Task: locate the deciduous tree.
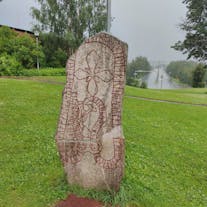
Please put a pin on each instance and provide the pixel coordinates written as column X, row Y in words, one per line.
column 138, row 64
column 22, row 47
column 75, row 18
column 133, row 68
column 195, row 26
column 198, row 76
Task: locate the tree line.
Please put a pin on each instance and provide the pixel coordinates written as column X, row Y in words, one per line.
column 62, row 25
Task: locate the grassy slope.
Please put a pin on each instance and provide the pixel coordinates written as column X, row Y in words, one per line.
column 166, row 149
column 188, row 95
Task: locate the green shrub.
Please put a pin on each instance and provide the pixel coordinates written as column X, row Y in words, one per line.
column 132, row 81
column 7, row 37
column 26, row 51
column 198, row 76
column 55, row 49
column 22, row 47
column 9, row 65
column 59, row 58
column 143, row 85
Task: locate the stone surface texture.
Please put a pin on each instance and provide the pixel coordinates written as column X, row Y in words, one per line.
column 89, row 135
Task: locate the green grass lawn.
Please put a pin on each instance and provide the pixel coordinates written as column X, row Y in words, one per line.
column 187, row 95
column 166, row 148
column 48, row 78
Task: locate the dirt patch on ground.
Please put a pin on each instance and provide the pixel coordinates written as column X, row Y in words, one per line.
column 74, row 201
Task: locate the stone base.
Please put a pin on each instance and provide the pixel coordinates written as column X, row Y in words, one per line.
column 90, row 173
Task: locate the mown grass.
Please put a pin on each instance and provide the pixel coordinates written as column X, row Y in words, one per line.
column 166, row 147
column 47, row 78
column 186, row 95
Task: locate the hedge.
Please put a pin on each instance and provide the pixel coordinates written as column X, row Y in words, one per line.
column 35, row 72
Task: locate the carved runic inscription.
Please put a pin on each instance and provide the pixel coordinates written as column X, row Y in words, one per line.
column 89, row 135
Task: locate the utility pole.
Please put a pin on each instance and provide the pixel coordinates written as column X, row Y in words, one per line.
column 161, row 80
column 108, row 16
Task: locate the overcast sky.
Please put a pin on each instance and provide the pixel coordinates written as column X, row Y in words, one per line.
column 149, row 27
